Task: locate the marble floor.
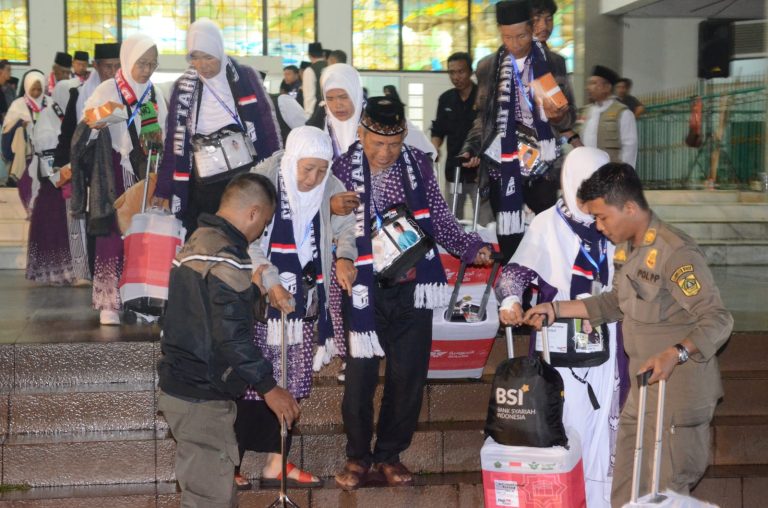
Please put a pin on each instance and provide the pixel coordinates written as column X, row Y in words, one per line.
column 30, row 313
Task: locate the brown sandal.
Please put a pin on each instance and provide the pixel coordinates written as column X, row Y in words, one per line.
column 396, row 474
column 353, row 476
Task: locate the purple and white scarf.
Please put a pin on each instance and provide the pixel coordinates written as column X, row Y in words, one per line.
column 431, row 287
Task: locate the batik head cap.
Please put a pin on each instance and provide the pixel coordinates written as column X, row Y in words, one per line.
column 511, row 12
column 106, row 50
column 605, row 73
column 81, row 55
column 63, row 59
column 384, row 116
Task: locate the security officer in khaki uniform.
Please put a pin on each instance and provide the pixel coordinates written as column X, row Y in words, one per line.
column 673, row 321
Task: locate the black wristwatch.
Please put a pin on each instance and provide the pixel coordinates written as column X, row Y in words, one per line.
column 682, row 354
column 575, row 136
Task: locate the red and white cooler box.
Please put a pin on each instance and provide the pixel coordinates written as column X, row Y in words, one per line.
column 525, row 477
column 151, row 243
column 460, row 350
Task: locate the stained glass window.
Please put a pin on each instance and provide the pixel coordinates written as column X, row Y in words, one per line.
column 14, row 31
column 485, row 35
column 90, row 22
column 241, row 22
column 166, row 21
column 432, row 31
column 376, row 34
column 291, row 29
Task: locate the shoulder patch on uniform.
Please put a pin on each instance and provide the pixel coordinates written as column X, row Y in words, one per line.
column 649, row 236
column 650, row 260
column 680, row 271
column 689, row 285
column 621, row 255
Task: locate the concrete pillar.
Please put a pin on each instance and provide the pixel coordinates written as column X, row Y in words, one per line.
column 598, row 41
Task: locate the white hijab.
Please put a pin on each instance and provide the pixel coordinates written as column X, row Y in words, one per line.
column 578, row 166
column 304, row 142
column 347, row 78
column 130, row 51
column 18, row 109
column 204, row 35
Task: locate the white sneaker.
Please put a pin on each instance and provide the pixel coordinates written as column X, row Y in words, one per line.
column 109, row 317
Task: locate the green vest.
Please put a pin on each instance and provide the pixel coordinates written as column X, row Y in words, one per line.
column 608, row 128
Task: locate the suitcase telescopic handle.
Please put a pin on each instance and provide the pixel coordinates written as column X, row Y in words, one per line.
column 642, row 382
column 456, row 188
column 545, row 339
column 497, row 258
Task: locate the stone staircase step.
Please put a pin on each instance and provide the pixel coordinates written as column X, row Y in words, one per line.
column 713, row 212
column 735, row 252
column 734, row 486
column 740, row 440
column 745, row 394
column 101, row 458
column 723, row 231
column 463, row 490
column 136, row 457
column 745, row 351
column 84, row 408
column 691, row 197
column 14, row 230
column 13, row 255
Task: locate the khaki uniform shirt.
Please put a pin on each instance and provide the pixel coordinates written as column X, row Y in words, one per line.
column 664, row 292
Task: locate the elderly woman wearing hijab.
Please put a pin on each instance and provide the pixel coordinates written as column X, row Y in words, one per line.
column 216, row 105
column 344, row 105
column 298, row 246
column 567, row 258
column 17, row 143
column 49, row 258
column 131, row 142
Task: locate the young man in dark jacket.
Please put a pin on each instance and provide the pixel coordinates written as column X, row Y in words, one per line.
column 209, row 353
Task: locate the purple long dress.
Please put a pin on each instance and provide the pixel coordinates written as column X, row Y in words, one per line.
column 108, row 263
column 48, row 258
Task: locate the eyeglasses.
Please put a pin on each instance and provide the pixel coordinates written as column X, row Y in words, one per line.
column 150, row 66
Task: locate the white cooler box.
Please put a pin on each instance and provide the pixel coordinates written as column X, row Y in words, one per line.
column 525, row 477
column 459, row 349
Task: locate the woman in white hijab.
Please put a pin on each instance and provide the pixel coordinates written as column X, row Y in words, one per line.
column 131, row 142
column 565, row 257
column 49, row 258
column 296, row 250
column 215, row 97
column 17, row 144
column 344, row 104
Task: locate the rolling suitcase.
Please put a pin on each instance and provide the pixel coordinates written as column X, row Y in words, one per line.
column 666, row 499
column 150, row 243
column 533, row 477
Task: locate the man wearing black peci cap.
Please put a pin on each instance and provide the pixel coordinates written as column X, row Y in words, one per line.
column 385, row 316
column 511, row 117
column 80, row 66
column 62, row 69
column 606, row 123
column 310, row 79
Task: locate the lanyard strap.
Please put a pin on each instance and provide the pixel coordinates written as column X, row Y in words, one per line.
column 223, row 104
column 519, row 81
column 138, row 104
column 602, row 243
column 307, row 231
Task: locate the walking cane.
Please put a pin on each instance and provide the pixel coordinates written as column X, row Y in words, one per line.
column 283, row 501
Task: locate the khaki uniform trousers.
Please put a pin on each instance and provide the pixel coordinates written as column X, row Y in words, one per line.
column 685, row 447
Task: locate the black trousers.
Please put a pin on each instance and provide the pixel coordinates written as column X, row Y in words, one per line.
column 538, row 193
column 257, row 428
column 405, row 334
